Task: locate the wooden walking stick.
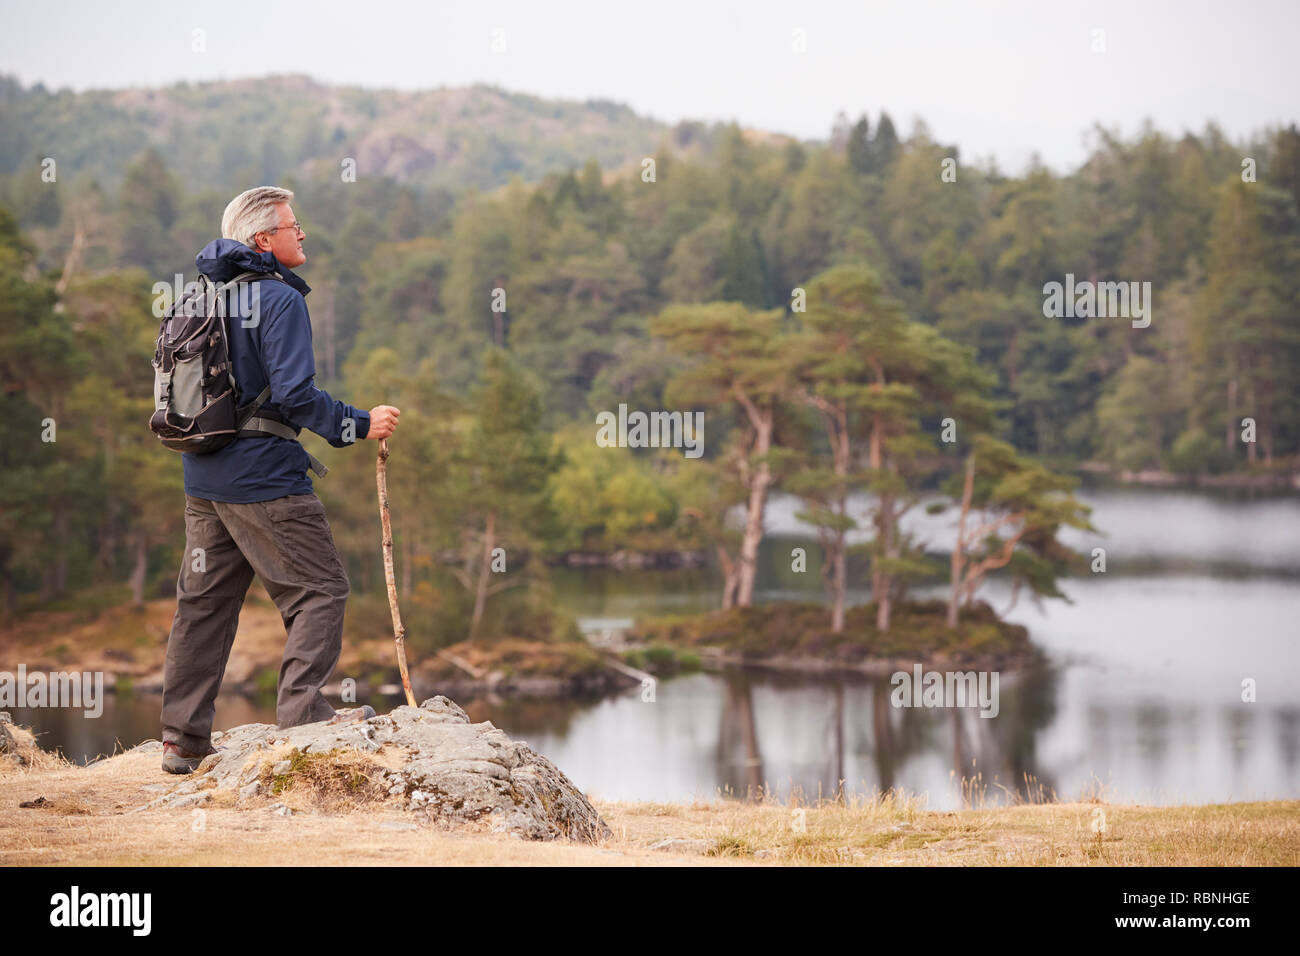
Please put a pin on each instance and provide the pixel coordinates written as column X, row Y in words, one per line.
column 399, row 632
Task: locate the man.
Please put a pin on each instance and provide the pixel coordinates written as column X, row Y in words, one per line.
column 250, row 507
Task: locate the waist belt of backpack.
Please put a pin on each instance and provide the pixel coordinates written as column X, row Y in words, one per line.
column 265, row 426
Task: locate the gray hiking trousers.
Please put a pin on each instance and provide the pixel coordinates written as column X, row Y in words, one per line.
column 288, row 544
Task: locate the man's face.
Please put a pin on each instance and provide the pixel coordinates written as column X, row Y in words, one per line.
column 286, row 242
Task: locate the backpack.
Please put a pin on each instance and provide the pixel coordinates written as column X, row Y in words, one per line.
column 196, row 399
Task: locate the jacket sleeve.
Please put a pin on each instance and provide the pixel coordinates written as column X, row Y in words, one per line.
column 291, row 367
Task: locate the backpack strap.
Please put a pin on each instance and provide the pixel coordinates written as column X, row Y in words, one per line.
column 218, row 286
column 267, row 427
column 254, row 276
column 258, row 402
column 252, row 425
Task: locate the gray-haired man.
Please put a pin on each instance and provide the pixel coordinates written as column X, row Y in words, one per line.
column 250, row 507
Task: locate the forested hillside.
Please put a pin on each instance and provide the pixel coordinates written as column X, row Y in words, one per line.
column 220, row 135
column 502, row 320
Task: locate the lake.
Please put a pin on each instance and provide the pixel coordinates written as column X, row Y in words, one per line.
column 1138, row 699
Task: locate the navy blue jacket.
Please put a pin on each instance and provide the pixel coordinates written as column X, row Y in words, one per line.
column 276, row 350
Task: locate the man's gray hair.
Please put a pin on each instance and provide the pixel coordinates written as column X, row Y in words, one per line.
column 253, row 211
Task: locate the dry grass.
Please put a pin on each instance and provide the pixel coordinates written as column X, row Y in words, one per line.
column 27, row 755
column 888, row 831
column 340, row 819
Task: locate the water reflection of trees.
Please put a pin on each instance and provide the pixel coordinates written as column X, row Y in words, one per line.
column 738, row 753
column 1240, row 721
column 533, row 715
column 1288, row 738
column 860, row 725
column 823, row 730
column 1028, row 707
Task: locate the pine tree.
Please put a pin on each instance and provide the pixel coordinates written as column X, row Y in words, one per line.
column 739, row 363
column 859, row 148
column 503, row 472
column 884, row 146
column 1011, row 511
column 148, row 206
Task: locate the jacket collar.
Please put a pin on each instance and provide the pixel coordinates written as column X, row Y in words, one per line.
column 223, row 259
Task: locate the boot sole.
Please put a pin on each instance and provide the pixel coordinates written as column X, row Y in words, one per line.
column 356, row 716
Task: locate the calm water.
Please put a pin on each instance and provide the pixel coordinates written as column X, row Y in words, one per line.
column 1139, row 697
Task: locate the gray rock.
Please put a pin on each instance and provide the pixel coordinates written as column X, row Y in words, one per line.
column 210, row 761
column 280, row 810
column 445, row 709
column 682, row 845
column 397, row 825
column 454, row 771
column 190, row 800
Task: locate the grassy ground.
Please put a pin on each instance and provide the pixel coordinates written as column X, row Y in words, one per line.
column 82, row 820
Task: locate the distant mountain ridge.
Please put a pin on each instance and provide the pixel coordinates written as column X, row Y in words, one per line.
column 225, row 134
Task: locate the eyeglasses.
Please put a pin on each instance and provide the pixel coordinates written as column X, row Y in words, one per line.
column 295, row 226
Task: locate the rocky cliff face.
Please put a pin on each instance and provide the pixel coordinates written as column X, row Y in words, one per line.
column 429, row 760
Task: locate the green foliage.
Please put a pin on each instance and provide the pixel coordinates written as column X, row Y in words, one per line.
column 1128, row 416
column 1194, row 453
column 663, row 294
column 1017, row 509
column 236, row 134
column 148, row 209
column 608, row 496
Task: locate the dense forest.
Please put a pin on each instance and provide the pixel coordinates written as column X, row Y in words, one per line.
column 831, row 307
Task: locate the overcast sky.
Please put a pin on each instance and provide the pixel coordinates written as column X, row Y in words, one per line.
column 1001, row 80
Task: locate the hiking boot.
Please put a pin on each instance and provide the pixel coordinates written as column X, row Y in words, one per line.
column 177, row 760
column 355, row 715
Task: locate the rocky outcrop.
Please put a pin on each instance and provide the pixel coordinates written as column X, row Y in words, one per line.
column 429, row 760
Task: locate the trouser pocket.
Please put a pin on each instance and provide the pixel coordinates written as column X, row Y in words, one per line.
column 305, row 543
